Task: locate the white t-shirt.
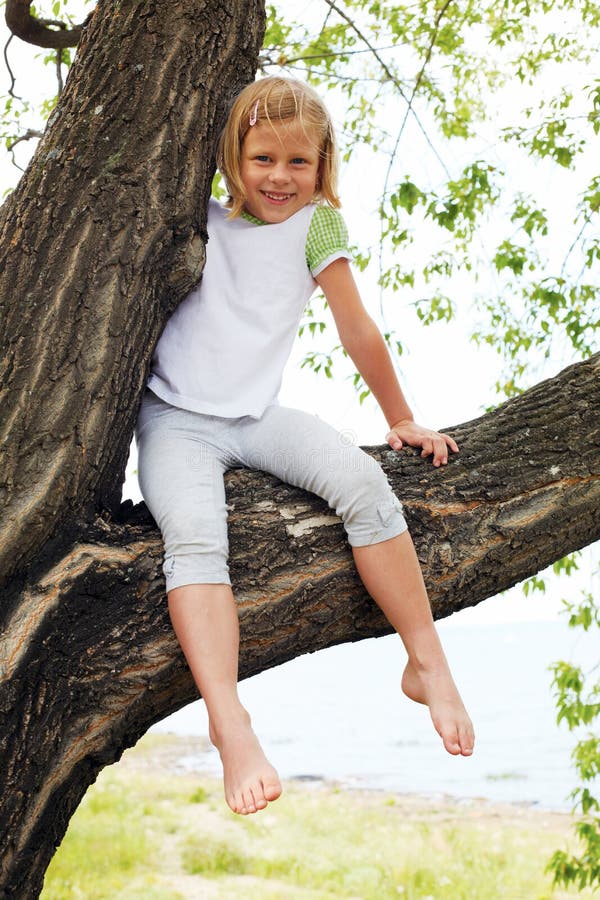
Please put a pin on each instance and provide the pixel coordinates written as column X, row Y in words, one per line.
column 224, row 349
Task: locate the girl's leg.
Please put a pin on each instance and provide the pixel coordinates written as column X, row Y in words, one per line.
column 303, row 450
column 205, row 620
column 391, row 573
column 181, row 479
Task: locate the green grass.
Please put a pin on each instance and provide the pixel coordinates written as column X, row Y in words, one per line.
column 108, row 848
column 142, row 832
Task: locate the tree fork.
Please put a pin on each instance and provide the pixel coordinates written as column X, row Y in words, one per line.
column 89, row 660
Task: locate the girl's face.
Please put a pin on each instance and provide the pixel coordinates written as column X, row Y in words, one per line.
column 279, row 169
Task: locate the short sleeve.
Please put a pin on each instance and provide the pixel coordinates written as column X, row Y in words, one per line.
column 327, row 239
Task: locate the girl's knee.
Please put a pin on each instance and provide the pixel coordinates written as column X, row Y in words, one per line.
column 195, row 564
column 372, row 512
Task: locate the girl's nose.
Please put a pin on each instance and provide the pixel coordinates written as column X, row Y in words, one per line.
column 279, row 174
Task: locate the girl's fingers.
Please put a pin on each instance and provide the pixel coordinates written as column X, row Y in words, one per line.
column 441, row 444
column 440, row 450
column 441, row 455
column 435, row 448
column 451, row 443
column 431, row 443
column 428, row 447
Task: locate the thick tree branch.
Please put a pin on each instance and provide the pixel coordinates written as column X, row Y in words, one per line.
column 88, row 656
column 38, row 31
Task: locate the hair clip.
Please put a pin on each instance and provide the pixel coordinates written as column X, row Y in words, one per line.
column 254, row 114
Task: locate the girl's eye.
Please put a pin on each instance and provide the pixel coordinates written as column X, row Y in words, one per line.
column 262, row 158
column 298, row 161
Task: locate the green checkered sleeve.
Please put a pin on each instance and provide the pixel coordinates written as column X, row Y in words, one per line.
column 327, row 239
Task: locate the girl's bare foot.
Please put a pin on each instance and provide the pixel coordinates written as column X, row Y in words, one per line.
column 436, row 689
column 249, row 779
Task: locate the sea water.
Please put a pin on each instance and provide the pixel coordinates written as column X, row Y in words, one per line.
column 339, row 714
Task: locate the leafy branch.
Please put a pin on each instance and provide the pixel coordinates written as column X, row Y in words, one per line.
column 578, row 703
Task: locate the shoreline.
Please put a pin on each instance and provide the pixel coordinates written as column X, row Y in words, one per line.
column 365, row 732
column 175, row 754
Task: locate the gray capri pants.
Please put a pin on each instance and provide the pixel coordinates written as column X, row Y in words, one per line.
column 183, row 455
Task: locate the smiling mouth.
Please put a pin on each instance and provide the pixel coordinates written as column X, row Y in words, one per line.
column 276, row 198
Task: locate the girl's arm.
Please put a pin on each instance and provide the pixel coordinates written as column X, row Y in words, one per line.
column 364, row 344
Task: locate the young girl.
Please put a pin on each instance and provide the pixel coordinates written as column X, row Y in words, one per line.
column 211, row 404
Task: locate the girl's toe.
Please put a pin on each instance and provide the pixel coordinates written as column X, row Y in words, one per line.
column 260, row 801
column 249, row 806
column 467, row 742
column 452, row 742
column 233, row 802
column 272, row 790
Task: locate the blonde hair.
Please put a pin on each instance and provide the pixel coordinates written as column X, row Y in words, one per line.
column 273, row 100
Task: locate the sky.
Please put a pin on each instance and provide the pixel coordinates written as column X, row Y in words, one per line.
column 447, row 378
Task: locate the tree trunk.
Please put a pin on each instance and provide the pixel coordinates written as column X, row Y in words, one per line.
column 102, row 238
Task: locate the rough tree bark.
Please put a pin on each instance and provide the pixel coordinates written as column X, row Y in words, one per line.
column 102, row 238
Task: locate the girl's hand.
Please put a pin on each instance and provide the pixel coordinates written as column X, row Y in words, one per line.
column 433, row 442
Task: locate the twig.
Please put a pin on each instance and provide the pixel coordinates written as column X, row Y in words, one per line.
column 393, row 78
column 294, row 59
column 323, row 26
column 408, row 110
column 59, row 77
column 10, row 71
column 586, row 222
column 368, row 44
column 30, row 133
column 321, row 72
